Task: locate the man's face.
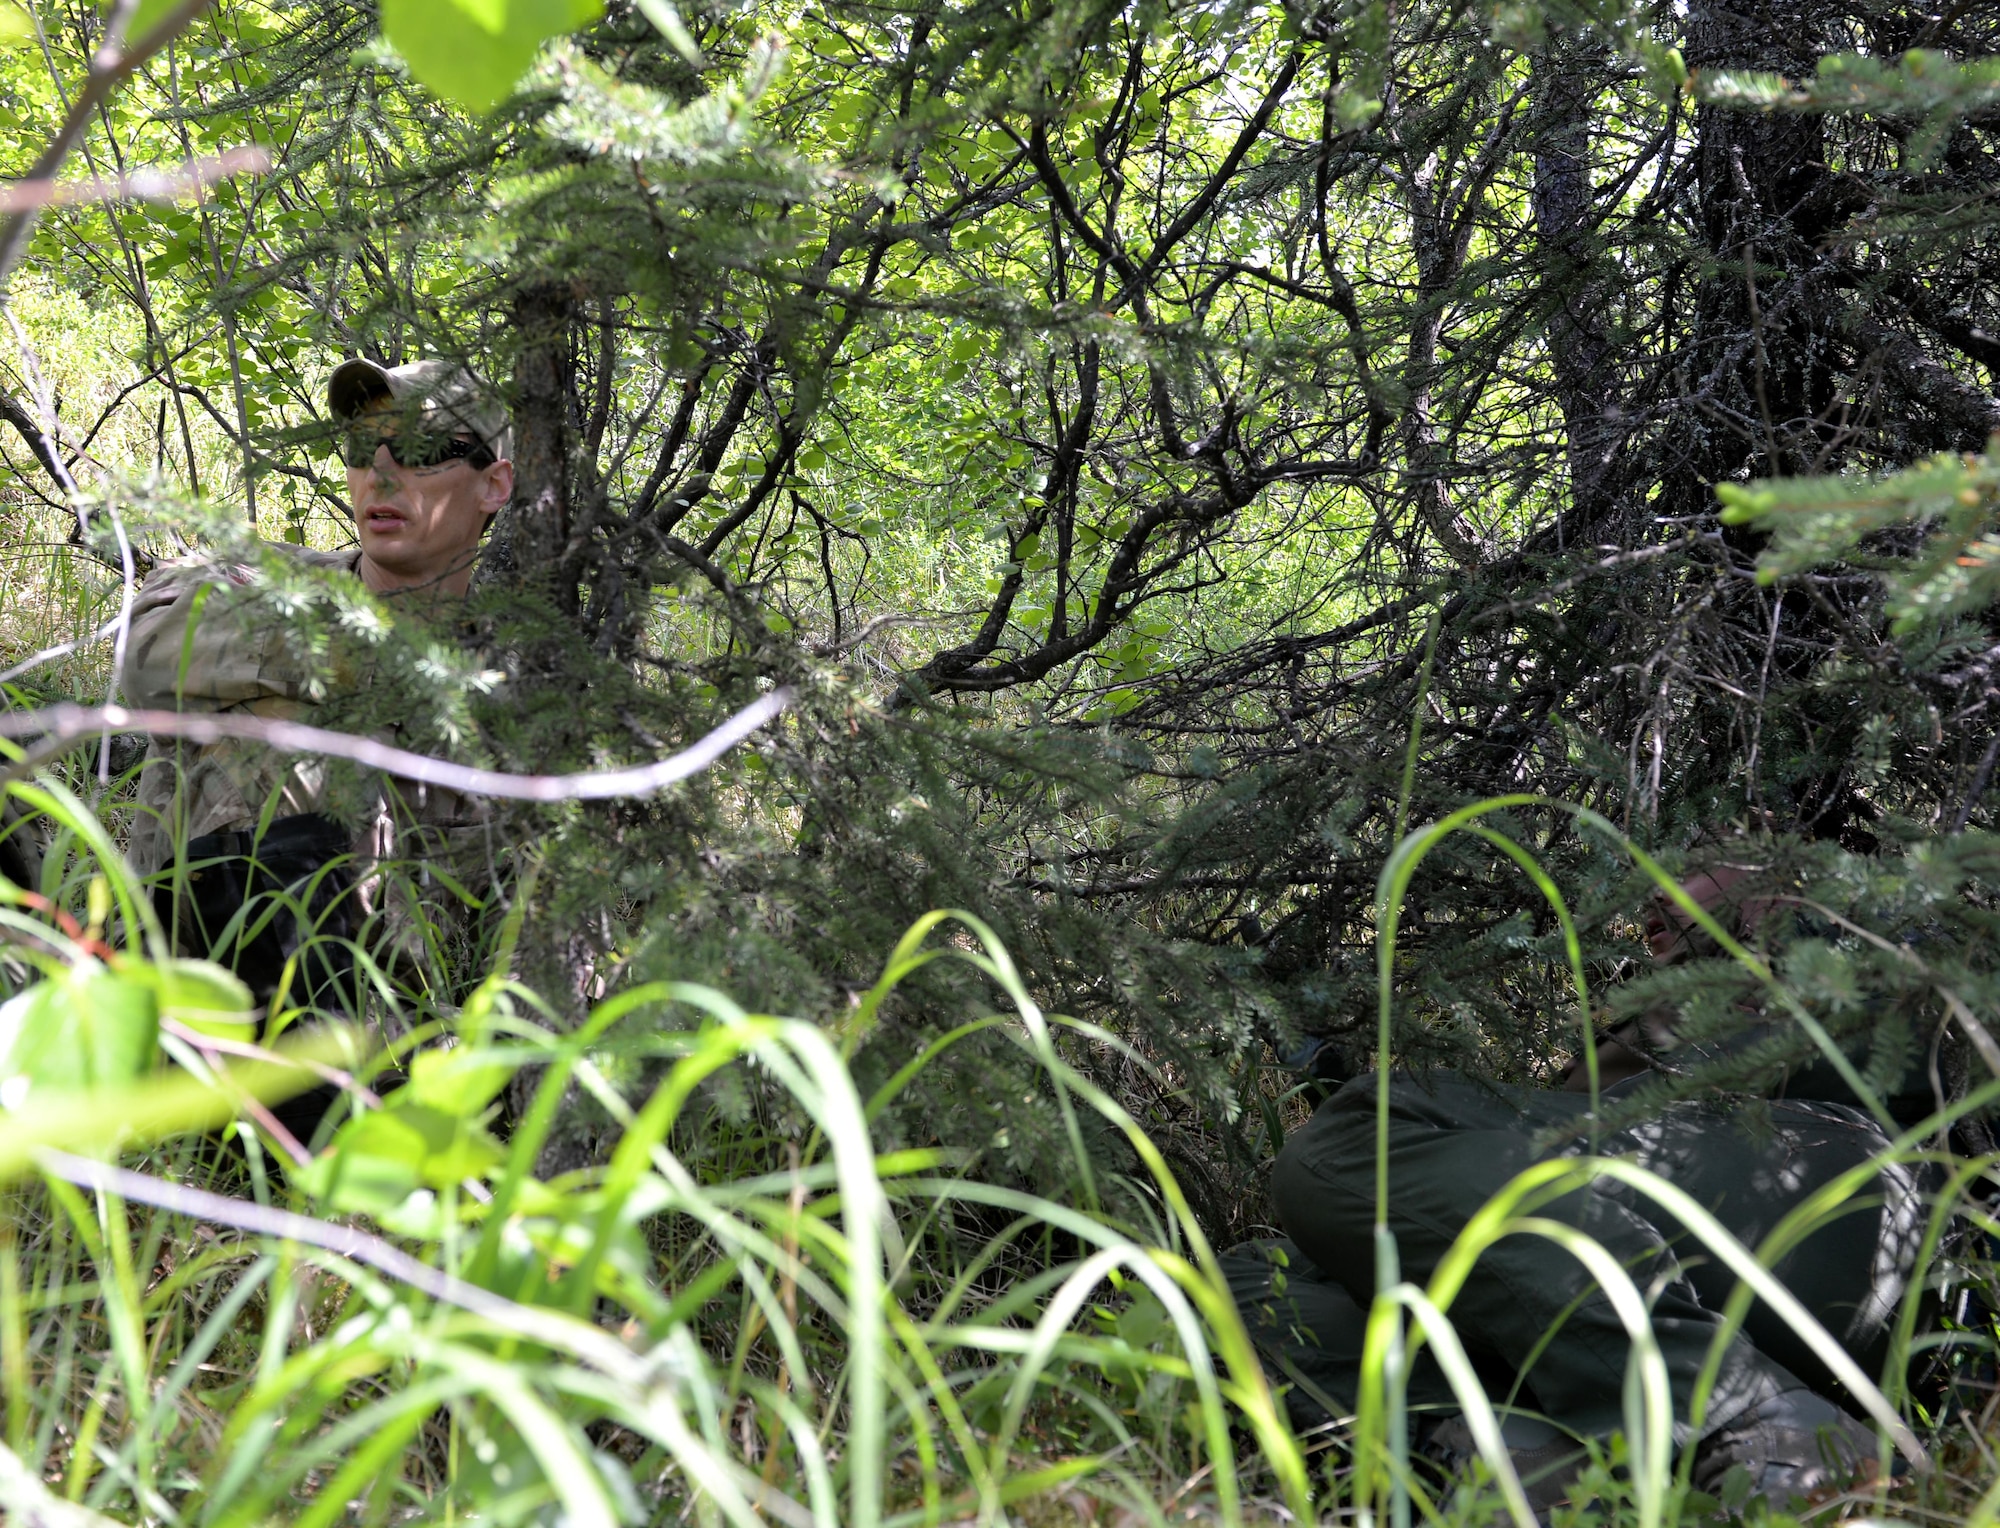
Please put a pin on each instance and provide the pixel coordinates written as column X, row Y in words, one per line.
column 1669, row 929
column 419, row 526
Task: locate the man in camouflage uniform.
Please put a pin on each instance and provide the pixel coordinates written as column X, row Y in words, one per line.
column 1532, row 1319
column 427, row 453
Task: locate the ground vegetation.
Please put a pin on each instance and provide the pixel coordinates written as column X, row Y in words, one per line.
column 1168, row 453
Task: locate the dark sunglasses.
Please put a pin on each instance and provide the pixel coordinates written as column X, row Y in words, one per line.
column 358, row 448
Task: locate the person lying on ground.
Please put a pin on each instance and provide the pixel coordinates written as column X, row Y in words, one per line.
column 1533, row 1321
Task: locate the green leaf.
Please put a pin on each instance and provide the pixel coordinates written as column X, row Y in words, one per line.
column 375, row 1164
column 16, row 26
column 456, row 1081
column 378, row 1161
column 200, row 994
column 158, row 1105
column 472, row 52
column 88, row 1027
column 146, row 20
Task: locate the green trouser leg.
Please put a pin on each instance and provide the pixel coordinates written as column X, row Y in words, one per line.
column 1453, row 1144
column 1311, row 1332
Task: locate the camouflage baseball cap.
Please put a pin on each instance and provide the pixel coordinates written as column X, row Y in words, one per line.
column 442, row 393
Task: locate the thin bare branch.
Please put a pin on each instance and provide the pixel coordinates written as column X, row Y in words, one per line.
column 564, row 1333
column 140, row 185
column 60, row 727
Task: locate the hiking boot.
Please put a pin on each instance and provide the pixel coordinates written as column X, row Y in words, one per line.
column 1546, row 1459
column 1796, row 1444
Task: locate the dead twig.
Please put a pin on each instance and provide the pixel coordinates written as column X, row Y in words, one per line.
column 60, row 727
column 140, row 185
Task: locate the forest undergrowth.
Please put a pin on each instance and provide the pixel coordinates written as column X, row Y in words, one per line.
column 747, row 1306
column 1266, row 536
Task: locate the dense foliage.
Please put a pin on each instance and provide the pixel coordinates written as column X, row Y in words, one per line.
column 1170, row 450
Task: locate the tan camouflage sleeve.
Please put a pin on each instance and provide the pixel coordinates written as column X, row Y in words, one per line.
column 199, row 643
column 195, row 645
column 192, row 647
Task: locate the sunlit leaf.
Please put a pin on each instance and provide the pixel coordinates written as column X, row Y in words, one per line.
column 379, row 1160
column 90, row 1027
column 203, row 996
column 472, row 52
column 374, row 1164
column 457, row 1081
column 147, row 18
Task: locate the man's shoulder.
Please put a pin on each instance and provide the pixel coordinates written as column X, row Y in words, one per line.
column 346, row 560
column 170, row 579
column 211, row 647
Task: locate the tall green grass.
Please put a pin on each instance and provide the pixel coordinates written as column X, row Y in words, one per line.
column 742, row 1316
column 829, row 1340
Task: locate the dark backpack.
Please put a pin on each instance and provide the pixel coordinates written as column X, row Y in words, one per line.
column 294, row 893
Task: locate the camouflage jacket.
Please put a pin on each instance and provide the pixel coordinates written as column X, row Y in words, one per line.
column 196, row 645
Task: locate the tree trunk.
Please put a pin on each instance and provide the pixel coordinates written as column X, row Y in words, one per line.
column 1566, row 79
column 1767, row 335
column 533, row 534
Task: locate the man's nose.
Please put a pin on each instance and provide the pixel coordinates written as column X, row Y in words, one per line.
column 384, row 465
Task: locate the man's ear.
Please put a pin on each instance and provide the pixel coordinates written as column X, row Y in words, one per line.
column 499, row 487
